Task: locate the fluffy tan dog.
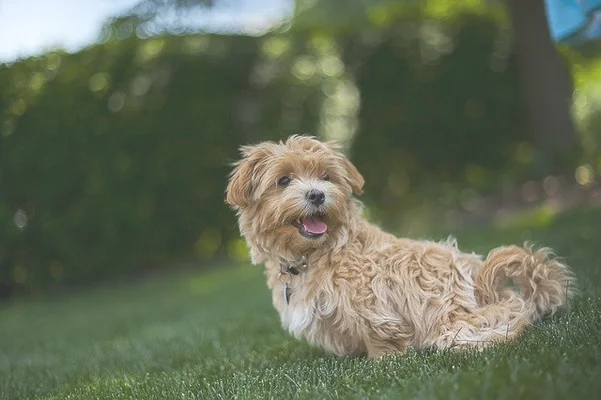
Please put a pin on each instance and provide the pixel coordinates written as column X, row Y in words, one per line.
column 349, row 287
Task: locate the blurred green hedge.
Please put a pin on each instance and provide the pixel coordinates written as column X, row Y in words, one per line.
column 114, row 160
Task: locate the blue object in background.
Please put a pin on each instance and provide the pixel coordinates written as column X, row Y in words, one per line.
column 574, row 21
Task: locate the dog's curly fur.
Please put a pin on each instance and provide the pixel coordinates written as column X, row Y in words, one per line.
column 365, row 291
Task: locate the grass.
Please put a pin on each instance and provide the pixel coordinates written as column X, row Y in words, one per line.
column 211, row 335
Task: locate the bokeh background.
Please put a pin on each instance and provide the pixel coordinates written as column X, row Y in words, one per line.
column 115, row 145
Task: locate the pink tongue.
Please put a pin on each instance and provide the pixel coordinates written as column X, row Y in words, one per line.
column 314, row 225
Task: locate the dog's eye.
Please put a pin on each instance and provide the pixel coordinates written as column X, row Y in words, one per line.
column 284, row 181
column 325, row 177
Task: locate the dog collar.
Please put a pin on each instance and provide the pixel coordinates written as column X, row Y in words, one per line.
column 287, row 270
column 294, row 267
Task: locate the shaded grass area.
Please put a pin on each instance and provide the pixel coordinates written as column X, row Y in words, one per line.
column 215, row 335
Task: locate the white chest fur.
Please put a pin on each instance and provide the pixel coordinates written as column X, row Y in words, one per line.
column 299, row 313
column 298, row 318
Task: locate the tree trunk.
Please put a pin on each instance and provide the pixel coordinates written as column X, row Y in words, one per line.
column 546, row 83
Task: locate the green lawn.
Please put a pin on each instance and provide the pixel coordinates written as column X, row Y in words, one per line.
column 215, row 335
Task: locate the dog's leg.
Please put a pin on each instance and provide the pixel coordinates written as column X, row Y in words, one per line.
column 378, row 348
column 482, row 327
column 387, row 338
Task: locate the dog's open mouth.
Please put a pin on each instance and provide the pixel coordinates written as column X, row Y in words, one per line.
column 312, row 227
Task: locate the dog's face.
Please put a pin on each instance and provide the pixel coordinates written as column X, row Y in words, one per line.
column 292, row 197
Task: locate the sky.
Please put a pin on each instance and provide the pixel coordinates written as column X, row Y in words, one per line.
column 31, row 27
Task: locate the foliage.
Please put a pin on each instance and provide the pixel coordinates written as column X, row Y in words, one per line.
column 114, row 160
column 214, row 334
column 587, row 103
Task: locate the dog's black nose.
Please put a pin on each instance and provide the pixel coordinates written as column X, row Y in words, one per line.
column 315, row 196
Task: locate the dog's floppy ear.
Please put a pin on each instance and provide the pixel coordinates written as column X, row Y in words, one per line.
column 353, row 176
column 240, row 186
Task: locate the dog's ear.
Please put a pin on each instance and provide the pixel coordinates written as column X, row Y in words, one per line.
column 239, row 190
column 353, row 176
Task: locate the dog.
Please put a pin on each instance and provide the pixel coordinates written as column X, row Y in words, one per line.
column 347, row 286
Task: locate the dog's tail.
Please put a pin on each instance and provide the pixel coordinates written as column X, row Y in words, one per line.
column 544, row 283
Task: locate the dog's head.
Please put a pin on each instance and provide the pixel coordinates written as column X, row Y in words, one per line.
column 293, row 196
